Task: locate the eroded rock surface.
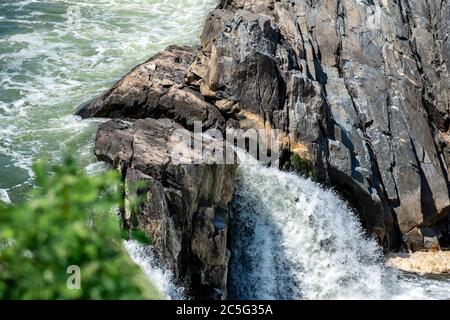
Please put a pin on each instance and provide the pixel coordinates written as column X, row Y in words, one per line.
column 156, row 89
column 361, row 84
column 181, row 205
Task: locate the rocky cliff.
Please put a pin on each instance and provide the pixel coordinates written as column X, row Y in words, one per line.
column 181, row 205
column 358, row 89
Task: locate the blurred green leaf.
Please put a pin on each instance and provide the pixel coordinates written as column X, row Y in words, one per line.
column 70, row 219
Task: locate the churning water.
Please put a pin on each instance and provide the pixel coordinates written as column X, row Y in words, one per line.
column 56, row 55
column 291, row 238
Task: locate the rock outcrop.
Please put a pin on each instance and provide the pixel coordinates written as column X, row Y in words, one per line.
column 157, row 89
column 181, row 205
column 431, row 263
column 358, row 89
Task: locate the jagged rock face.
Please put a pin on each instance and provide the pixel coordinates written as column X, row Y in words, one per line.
column 363, row 84
column 156, row 89
column 183, row 206
column 357, row 88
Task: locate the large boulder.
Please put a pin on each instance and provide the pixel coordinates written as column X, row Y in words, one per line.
column 156, row 89
column 181, row 203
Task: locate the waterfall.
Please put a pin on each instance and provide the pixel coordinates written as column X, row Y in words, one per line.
column 159, row 275
column 292, row 239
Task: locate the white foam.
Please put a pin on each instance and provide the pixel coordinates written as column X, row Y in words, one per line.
column 48, row 68
column 4, row 197
column 291, row 239
column 97, row 168
column 159, row 275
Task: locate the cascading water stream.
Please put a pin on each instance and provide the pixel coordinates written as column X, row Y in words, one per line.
column 292, row 239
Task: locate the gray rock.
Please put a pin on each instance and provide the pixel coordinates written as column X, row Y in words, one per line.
column 414, row 240
column 156, row 89
column 183, row 206
column 430, row 239
column 239, row 67
column 364, row 89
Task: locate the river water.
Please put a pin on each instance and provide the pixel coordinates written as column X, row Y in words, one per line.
column 291, row 239
column 56, row 55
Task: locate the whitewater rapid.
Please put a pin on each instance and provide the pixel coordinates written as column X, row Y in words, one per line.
column 57, row 55
column 292, row 239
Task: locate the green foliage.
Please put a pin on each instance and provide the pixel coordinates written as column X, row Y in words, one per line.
column 136, row 196
column 302, row 166
column 138, row 235
column 69, row 220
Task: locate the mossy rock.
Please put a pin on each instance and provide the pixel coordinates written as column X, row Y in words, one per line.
column 138, row 235
column 302, row 166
